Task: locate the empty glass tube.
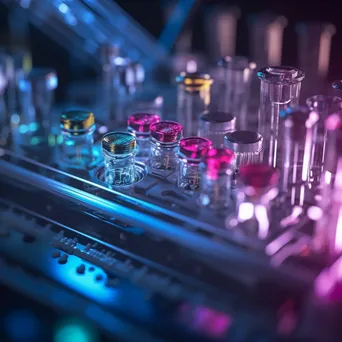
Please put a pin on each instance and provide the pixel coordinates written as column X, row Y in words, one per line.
column 119, row 150
column 139, row 124
column 190, row 152
column 247, row 146
column 214, row 126
column 266, row 43
column 165, row 138
column 324, row 106
column 77, row 128
column 314, row 43
column 233, row 96
column 36, row 94
column 280, row 89
column 257, row 187
column 193, row 99
column 300, row 128
column 216, row 172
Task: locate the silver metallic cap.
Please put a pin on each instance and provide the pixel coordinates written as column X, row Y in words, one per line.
column 244, row 141
column 217, row 122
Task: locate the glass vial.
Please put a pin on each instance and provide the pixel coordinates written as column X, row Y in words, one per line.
column 215, row 125
column 247, row 146
column 190, row 152
column 216, row 172
column 193, row 98
column 77, row 129
column 119, row 150
column 257, row 187
column 300, row 129
column 139, row 124
column 36, row 95
column 165, row 138
column 323, row 106
column 233, row 96
column 280, row 89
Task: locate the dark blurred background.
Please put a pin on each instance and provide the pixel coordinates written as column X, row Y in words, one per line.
column 149, row 14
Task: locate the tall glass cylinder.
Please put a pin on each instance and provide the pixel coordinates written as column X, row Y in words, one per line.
column 324, row 106
column 193, row 98
column 280, row 89
column 300, row 128
column 215, row 125
column 36, row 94
column 216, row 170
column 233, row 96
column 256, row 188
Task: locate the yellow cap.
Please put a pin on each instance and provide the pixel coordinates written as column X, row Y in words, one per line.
column 193, row 82
column 77, row 120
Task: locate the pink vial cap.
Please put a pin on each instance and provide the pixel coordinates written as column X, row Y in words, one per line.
column 141, row 122
column 194, row 147
column 166, row 131
column 218, row 161
column 258, row 176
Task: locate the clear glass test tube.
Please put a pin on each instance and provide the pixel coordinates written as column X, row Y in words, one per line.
column 247, row 146
column 190, row 152
column 233, row 96
column 3, row 107
column 77, row 128
column 324, row 106
column 119, row 150
column 36, row 93
column 214, row 126
column 314, row 44
column 216, row 175
column 257, row 187
column 266, row 43
column 139, row 124
column 165, row 138
column 300, row 129
column 280, row 89
column 193, row 98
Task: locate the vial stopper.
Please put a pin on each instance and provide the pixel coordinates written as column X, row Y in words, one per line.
column 218, row 161
column 166, row 131
column 244, row 141
column 141, row 122
column 217, row 122
column 194, row 81
column 119, row 143
column 41, row 78
column 194, row 147
column 76, row 121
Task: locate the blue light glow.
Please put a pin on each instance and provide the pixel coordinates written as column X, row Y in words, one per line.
column 15, row 119
column 84, row 283
column 63, row 8
column 73, row 333
column 33, row 126
column 23, row 129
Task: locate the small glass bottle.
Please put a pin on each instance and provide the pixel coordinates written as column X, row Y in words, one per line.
column 165, row 138
column 247, row 146
column 36, row 95
column 234, row 94
column 139, row 124
column 214, row 126
column 77, row 127
column 193, row 98
column 280, row 89
column 190, row 152
column 324, row 106
column 299, row 127
column 119, row 150
column 257, row 187
column 216, row 172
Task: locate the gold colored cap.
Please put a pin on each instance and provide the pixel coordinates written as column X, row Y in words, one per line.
column 193, row 82
column 77, row 120
column 119, row 143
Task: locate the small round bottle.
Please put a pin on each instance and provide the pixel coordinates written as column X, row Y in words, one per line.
column 216, row 172
column 77, row 128
column 247, row 146
column 165, row 138
column 119, row 150
column 190, row 151
column 139, row 124
column 215, row 125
